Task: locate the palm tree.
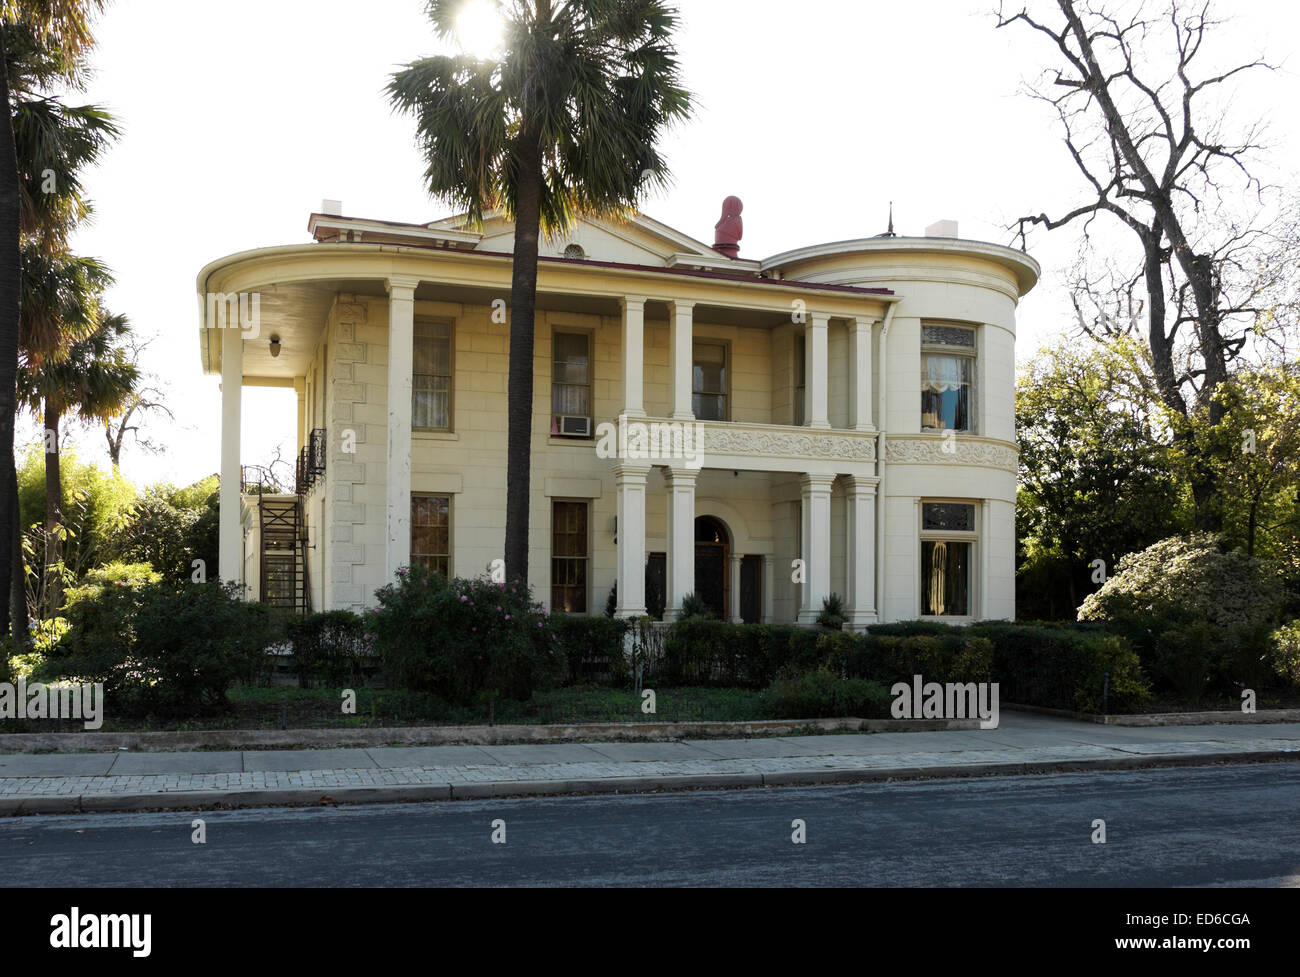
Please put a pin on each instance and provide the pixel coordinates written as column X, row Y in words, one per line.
column 48, row 40
column 562, row 125
column 93, row 380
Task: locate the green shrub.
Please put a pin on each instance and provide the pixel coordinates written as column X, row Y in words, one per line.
column 821, row 694
column 164, row 649
column 466, row 641
column 1221, row 604
column 1284, row 652
column 592, row 648
column 331, row 648
column 693, row 606
column 1064, row 668
column 833, row 615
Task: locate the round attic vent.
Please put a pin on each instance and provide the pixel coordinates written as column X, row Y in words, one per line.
column 574, row 252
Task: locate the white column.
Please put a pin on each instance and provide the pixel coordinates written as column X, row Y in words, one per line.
column 230, row 552
column 634, row 356
column 401, row 363
column 681, row 538
column 681, row 357
column 861, row 502
column 816, row 533
column 860, row 373
column 631, row 481
column 734, row 597
column 815, row 366
column 768, row 585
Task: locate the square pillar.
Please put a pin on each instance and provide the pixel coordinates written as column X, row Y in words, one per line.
column 860, row 373
column 681, row 538
column 634, row 356
column 681, row 357
column 401, row 364
column 631, row 481
column 861, row 552
column 733, row 596
column 816, row 555
column 815, row 366
column 230, row 552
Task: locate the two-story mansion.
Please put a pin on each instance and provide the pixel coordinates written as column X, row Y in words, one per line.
column 851, row 405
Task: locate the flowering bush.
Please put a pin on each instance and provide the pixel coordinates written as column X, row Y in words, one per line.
column 463, row 640
column 1198, row 613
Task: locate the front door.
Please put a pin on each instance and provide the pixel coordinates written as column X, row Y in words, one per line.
column 712, row 551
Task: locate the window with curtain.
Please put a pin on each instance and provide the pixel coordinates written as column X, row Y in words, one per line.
column 571, row 379
column 431, row 377
column 947, row 378
column 709, row 386
column 431, row 533
column 947, row 545
column 569, row 549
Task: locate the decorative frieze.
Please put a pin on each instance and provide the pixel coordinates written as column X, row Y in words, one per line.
column 766, row 442
column 954, row 450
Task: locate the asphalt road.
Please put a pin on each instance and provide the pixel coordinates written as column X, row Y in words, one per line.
column 1219, row 826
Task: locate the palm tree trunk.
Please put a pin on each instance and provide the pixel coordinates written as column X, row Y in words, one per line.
column 10, row 272
column 18, row 585
column 523, row 298
column 53, row 508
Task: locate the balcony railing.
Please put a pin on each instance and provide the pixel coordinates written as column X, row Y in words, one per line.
column 311, row 461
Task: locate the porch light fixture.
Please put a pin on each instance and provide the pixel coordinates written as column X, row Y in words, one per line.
column 275, row 346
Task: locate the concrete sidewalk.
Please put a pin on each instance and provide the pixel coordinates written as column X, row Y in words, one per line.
column 1024, row 743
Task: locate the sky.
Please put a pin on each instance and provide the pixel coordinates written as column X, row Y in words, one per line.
column 240, row 118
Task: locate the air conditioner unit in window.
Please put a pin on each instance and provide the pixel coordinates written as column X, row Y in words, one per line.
column 574, row 427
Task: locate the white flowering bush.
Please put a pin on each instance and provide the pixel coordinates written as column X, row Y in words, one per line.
column 1199, row 614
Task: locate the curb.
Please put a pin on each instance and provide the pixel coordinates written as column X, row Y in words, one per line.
column 1151, row 719
column 427, row 793
column 239, row 739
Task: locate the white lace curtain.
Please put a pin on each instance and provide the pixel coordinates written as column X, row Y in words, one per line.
column 940, row 374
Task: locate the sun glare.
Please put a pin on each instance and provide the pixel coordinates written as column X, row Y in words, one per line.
column 479, row 29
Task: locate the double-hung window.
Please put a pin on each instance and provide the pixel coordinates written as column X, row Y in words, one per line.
column 431, row 377
column 709, row 382
column 569, row 557
column 431, row 533
column 571, row 385
column 948, row 378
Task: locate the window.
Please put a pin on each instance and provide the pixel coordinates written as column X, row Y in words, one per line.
column 431, row 533
column 947, row 546
column 947, row 378
column 571, row 385
column 709, row 386
column 574, row 252
column 800, row 372
column 569, row 557
column 431, row 377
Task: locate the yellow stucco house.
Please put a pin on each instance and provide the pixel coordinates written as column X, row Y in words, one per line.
column 836, row 418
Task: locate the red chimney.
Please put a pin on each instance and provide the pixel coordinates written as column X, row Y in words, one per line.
column 730, row 229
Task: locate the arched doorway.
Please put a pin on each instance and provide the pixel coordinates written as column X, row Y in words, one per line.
column 713, row 565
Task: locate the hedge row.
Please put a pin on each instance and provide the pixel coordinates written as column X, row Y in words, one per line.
column 1078, row 667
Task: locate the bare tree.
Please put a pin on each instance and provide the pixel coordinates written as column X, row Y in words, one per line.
column 147, row 399
column 1143, row 129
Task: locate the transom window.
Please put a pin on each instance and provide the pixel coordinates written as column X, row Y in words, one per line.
column 569, row 549
column 948, row 538
column 948, row 378
column 709, row 386
column 571, row 384
column 431, row 533
column 431, row 377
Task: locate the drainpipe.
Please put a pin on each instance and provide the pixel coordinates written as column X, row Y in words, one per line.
column 882, row 392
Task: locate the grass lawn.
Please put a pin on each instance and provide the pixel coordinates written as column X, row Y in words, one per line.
column 257, row 707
